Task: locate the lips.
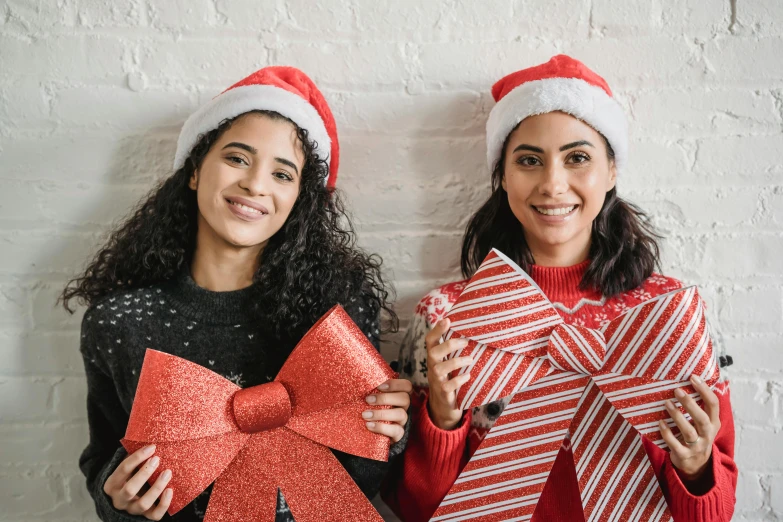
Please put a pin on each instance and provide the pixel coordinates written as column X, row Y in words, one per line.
column 246, row 205
column 555, row 210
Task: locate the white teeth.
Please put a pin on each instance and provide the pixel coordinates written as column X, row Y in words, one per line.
column 246, row 208
column 555, row 211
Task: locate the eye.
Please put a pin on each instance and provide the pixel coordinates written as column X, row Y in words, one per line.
column 579, row 157
column 528, row 161
column 283, row 176
column 237, row 160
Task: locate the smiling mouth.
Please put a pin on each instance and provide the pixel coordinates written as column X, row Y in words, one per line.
column 559, row 211
column 245, row 208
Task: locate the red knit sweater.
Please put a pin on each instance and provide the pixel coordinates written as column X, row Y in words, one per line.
column 435, row 457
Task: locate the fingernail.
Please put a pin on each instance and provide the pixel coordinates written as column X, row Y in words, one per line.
column 370, row 424
column 154, row 461
column 462, row 343
column 669, row 404
column 384, row 386
column 679, row 393
column 695, row 379
column 367, row 414
column 149, row 450
column 662, row 425
column 166, row 475
column 372, row 399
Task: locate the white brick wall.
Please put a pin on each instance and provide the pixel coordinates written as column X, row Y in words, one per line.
column 92, row 93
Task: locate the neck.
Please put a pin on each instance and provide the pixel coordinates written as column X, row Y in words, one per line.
column 220, row 267
column 560, row 255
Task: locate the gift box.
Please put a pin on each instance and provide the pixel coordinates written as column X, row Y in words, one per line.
column 596, row 391
column 252, row 441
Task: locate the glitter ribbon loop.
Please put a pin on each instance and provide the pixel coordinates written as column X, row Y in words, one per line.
column 251, row 442
column 592, row 391
column 263, row 407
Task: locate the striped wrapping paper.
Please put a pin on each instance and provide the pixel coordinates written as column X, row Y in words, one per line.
column 595, row 390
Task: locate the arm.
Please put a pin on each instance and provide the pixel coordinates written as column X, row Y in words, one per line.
column 107, row 422
column 711, row 497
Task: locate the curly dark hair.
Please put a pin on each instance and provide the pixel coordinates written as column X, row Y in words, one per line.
column 309, row 265
column 624, row 247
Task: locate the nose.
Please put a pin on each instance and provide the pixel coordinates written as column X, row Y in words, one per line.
column 554, row 181
column 255, row 181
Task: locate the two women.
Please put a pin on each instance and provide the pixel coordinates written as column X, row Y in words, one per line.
column 232, row 259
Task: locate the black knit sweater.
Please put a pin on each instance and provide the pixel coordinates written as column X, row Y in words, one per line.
column 217, row 330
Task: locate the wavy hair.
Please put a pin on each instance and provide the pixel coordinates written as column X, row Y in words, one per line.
column 624, row 247
column 309, row 265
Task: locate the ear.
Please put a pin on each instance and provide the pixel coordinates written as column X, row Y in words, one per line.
column 503, row 182
column 193, row 181
column 612, row 181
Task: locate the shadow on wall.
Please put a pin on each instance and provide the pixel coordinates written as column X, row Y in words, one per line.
column 87, row 180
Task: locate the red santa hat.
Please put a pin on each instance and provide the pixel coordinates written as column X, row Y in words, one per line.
column 285, row 90
column 561, row 84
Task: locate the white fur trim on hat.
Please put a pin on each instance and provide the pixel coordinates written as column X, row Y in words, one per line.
column 240, row 100
column 576, row 97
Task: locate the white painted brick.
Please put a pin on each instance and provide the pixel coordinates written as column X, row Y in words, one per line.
column 18, row 199
column 744, row 61
column 751, row 440
column 760, row 401
column 656, row 163
column 182, row 14
column 122, row 13
column 47, row 314
column 31, row 444
column 744, row 257
column 750, row 495
column 628, row 17
column 188, row 61
column 70, row 396
column 14, row 307
column 775, row 206
column 331, row 19
column 77, row 57
column 694, row 16
column 756, row 309
column 250, row 15
column 115, row 157
column 24, row 102
column 754, row 353
column 560, row 19
column 739, row 160
column 33, row 353
column 99, row 204
column 26, row 399
column 36, row 16
column 702, row 111
column 118, row 106
column 28, row 494
column 40, row 253
column 359, row 64
column 776, row 493
column 760, row 16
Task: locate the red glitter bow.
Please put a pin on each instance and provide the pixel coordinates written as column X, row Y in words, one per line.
column 595, row 390
column 275, row 435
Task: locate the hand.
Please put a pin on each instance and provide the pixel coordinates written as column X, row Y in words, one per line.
column 396, row 393
column 692, row 455
column 127, row 485
column 442, row 401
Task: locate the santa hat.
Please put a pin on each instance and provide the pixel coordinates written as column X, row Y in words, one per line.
column 285, row 90
column 561, row 84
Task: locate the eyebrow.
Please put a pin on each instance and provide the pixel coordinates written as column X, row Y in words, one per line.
column 531, row 148
column 253, row 150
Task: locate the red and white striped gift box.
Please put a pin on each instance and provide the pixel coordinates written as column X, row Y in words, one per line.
column 595, row 390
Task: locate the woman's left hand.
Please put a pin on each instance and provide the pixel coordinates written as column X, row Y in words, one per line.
column 691, row 455
column 389, row 421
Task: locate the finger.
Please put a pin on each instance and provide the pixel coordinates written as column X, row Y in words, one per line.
column 453, row 384
column 396, row 385
column 393, row 431
column 673, row 442
column 128, row 466
column 689, row 433
column 439, row 352
column 700, row 418
column 133, row 486
column 444, row 368
column 147, row 501
column 399, row 399
column 395, row 415
column 433, row 337
column 157, row 512
column 711, row 402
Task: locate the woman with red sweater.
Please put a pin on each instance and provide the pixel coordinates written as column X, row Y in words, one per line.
column 556, row 143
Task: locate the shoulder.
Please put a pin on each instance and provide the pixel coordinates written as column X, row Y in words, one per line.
column 437, row 302
column 650, row 288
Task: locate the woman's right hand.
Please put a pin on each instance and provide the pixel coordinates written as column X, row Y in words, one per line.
column 126, row 486
column 442, row 403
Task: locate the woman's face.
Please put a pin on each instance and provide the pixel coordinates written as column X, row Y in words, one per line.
column 557, row 174
column 249, row 181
